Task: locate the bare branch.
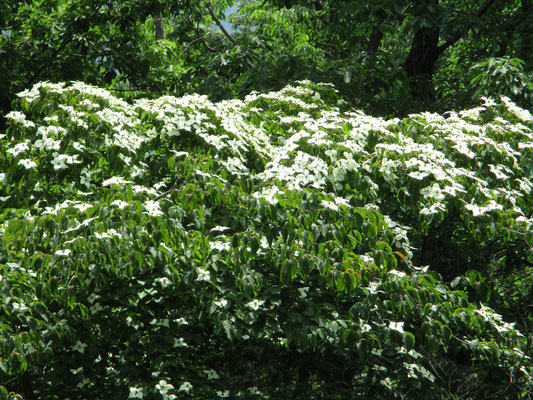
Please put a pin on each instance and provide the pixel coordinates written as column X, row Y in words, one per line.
column 166, row 193
column 225, row 32
column 202, row 39
column 217, row 21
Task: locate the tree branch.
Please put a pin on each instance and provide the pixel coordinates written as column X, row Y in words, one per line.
column 202, row 39
column 217, row 21
column 225, row 32
column 176, row 186
column 458, row 36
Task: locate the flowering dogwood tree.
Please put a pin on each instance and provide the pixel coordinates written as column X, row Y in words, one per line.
column 280, row 246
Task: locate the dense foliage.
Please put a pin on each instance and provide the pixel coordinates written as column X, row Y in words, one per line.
column 154, row 44
column 388, row 57
column 282, row 246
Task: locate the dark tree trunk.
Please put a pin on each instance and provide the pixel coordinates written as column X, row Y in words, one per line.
column 425, row 50
column 420, row 63
column 374, row 42
column 159, row 30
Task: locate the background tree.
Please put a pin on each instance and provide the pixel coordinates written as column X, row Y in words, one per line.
column 388, row 57
column 382, row 53
column 118, row 45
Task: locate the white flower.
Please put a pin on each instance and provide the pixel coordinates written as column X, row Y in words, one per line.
column 332, row 154
column 303, row 291
column 16, row 116
column 135, row 393
column 211, row 374
column 60, row 161
column 330, row 205
column 217, row 141
column 107, row 235
column 397, row 273
column 92, row 298
column 116, row 180
column 254, row 390
column 397, row 326
column 255, row 304
column 65, row 252
column 219, row 229
column 220, row 303
column 83, row 383
column 153, row 209
column 19, row 148
column 164, row 387
column 433, row 192
column 477, row 210
column 79, row 346
column 120, row 204
column 160, row 322
column 497, row 171
column 164, row 282
column 179, row 153
column 27, row 163
column 96, row 308
column 180, row 342
column 47, row 144
column 462, row 148
column 82, row 207
column 338, row 174
column 418, row 175
column 185, row 387
column 19, row 306
column 223, row 394
column 220, row 246
column 203, row 275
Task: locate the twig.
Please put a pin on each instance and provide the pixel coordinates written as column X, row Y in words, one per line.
column 201, row 38
column 172, row 188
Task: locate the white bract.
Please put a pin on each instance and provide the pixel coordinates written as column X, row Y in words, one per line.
column 255, row 304
column 19, row 148
column 185, row 387
column 115, row 180
column 211, row 374
column 203, row 275
column 135, row 393
column 396, row 326
column 163, row 387
column 80, row 347
column 28, row 164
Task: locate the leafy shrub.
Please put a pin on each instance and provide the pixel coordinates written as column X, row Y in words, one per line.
column 272, row 247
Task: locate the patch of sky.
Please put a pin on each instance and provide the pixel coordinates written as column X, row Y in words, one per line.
column 227, row 13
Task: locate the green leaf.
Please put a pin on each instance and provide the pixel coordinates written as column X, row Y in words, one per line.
column 350, row 337
column 483, row 291
column 446, row 333
column 18, row 363
column 529, row 235
column 408, row 340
